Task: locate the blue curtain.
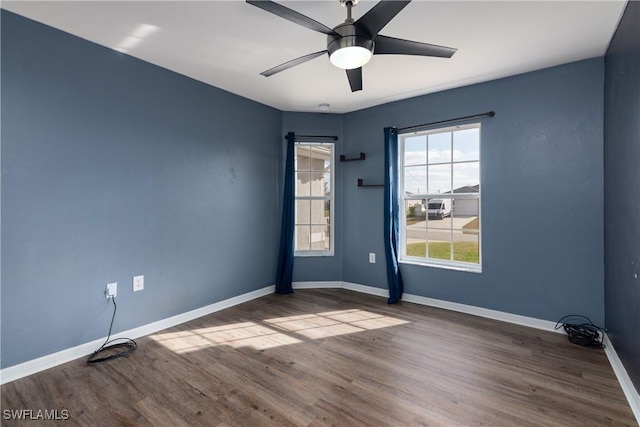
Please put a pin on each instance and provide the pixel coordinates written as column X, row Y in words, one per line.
column 284, row 274
column 392, row 214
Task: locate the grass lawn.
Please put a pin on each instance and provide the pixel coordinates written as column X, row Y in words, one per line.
column 462, row 251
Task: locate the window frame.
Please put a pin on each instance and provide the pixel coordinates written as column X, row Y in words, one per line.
column 434, row 262
column 331, row 199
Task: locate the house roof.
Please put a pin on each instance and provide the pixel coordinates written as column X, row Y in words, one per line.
column 467, row 189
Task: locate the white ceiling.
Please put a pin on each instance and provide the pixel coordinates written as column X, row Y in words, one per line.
column 228, row 43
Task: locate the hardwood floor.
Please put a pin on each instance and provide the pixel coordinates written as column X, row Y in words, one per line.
column 334, row 357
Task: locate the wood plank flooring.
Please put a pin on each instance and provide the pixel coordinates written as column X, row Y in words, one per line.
column 334, row 358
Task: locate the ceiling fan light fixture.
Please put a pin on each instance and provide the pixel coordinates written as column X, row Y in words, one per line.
column 350, row 45
column 350, row 57
column 349, row 48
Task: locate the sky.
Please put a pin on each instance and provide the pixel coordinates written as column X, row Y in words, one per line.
column 439, row 162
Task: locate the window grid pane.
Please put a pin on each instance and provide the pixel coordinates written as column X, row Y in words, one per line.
column 303, row 210
column 416, row 228
column 466, row 145
column 303, row 184
column 302, row 158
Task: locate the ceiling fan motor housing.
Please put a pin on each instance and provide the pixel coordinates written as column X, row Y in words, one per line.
column 347, row 35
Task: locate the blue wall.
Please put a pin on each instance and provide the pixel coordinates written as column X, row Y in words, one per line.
column 622, row 187
column 113, row 167
column 542, row 193
column 320, row 268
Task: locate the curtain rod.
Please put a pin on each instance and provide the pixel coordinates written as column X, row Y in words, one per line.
column 331, row 137
column 488, row 114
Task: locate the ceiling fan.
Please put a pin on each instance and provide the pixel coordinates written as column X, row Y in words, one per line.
column 351, row 44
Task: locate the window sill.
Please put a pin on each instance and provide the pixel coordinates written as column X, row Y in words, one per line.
column 313, row 253
column 445, row 266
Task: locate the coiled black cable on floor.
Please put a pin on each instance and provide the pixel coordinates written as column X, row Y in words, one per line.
column 583, row 334
column 128, row 345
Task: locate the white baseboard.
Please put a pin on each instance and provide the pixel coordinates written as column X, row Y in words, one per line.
column 623, row 378
column 371, row 290
column 317, row 285
column 30, row 367
column 34, row 366
column 517, row 319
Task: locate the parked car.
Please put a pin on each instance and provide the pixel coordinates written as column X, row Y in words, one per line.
column 439, row 208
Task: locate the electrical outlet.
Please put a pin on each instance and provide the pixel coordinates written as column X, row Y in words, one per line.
column 112, row 290
column 372, row 258
column 138, row 283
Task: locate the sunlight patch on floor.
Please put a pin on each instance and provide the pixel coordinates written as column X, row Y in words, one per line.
column 276, row 332
column 333, row 323
column 245, row 334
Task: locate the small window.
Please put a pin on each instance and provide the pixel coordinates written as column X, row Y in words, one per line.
column 440, row 197
column 314, row 199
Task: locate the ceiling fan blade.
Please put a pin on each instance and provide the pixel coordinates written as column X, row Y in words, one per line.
column 392, row 46
column 292, row 63
column 291, row 15
column 377, row 17
column 355, row 79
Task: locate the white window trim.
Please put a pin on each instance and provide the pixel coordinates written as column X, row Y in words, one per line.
column 330, row 252
column 403, row 258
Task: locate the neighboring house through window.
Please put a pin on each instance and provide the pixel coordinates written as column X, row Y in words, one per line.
column 314, row 164
column 440, row 196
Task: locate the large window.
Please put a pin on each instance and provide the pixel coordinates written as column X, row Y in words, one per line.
column 314, row 199
column 440, row 188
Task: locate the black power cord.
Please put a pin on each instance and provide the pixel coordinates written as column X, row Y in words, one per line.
column 128, row 345
column 584, row 334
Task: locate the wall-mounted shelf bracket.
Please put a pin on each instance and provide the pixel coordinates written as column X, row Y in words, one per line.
column 362, row 184
column 343, row 158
